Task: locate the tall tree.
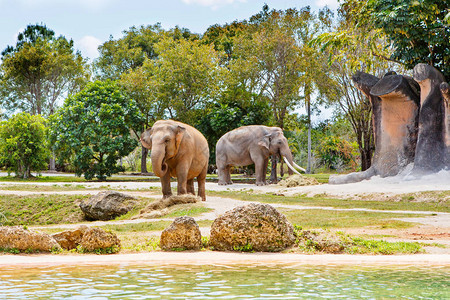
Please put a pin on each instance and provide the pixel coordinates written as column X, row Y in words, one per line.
column 183, row 78
column 352, row 47
column 39, row 71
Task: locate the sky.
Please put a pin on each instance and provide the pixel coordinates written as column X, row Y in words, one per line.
column 90, row 23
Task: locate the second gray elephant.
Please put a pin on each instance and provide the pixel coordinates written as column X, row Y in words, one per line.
column 248, row 145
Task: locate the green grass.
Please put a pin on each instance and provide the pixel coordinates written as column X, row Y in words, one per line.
column 40, row 209
column 406, row 203
column 319, row 218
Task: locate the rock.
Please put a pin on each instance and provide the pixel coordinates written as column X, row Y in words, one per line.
column 22, row 239
column 107, row 205
column 253, row 227
column 298, row 180
column 183, row 233
column 90, row 239
column 99, row 239
column 320, row 240
column 70, row 239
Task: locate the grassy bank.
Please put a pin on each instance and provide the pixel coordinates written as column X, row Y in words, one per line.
column 436, row 201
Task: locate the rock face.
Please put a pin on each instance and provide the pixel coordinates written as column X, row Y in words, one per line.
column 395, row 105
column 88, row 238
column 107, row 205
column 24, row 240
column 253, row 227
column 183, row 233
column 431, row 152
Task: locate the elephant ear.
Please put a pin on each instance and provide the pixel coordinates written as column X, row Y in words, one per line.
column 179, row 133
column 265, row 142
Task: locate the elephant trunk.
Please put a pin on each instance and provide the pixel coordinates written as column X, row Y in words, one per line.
column 158, row 162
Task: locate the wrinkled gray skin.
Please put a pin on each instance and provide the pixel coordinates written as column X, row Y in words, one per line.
column 248, row 145
column 178, row 150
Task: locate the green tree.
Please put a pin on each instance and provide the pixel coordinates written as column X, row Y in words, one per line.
column 184, row 78
column 23, row 145
column 352, row 47
column 95, row 127
column 39, row 71
column 417, row 29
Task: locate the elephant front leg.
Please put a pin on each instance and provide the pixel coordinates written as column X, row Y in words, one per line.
column 224, row 175
column 182, row 171
column 260, row 172
column 190, row 186
column 165, row 185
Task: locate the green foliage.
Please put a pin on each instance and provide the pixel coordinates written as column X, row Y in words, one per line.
column 418, row 30
column 93, row 129
column 244, row 248
column 335, row 153
column 224, row 117
column 39, row 71
column 23, row 145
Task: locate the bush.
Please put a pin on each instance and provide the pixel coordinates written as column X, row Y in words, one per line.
column 23, row 145
column 336, row 153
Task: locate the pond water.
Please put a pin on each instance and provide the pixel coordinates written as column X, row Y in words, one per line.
column 225, row 282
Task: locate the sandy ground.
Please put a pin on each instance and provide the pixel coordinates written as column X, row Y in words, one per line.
column 221, row 258
column 431, row 228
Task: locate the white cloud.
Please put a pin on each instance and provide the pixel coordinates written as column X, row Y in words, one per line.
column 214, row 4
column 88, row 46
column 332, row 4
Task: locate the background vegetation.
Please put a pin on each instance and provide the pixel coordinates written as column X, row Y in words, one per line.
column 261, row 70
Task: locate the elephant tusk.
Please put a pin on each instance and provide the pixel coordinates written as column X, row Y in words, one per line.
column 298, row 167
column 290, row 166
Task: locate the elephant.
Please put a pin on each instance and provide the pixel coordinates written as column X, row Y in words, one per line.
column 248, row 145
column 178, row 150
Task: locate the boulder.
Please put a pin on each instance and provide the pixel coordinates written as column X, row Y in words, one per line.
column 183, row 233
column 107, row 205
column 253, row 227
column 90, row 239
column 17, row 237
column 70, row 239
column 99, row 239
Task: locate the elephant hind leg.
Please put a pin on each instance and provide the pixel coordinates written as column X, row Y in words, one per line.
column 201, row 180
column 190, row 186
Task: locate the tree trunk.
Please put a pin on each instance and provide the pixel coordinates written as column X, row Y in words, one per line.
column 144, row 160
column 308, row 108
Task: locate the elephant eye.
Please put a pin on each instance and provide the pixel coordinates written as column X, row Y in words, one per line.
column 166, row 140
column 279, row 142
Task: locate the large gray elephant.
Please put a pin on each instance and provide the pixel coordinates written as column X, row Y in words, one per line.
column 248, row 145
column 178, row 150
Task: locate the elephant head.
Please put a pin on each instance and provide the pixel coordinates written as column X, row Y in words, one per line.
column 164, row 141
column 275, row 143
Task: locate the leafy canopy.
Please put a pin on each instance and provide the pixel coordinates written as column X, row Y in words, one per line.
column 419, row 30
column 23, row 144
column 94, row 127
column 39, row 71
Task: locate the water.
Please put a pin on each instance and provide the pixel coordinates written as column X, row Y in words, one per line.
column 225, row 282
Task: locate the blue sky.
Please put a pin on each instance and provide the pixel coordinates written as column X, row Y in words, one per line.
column 90, row 22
